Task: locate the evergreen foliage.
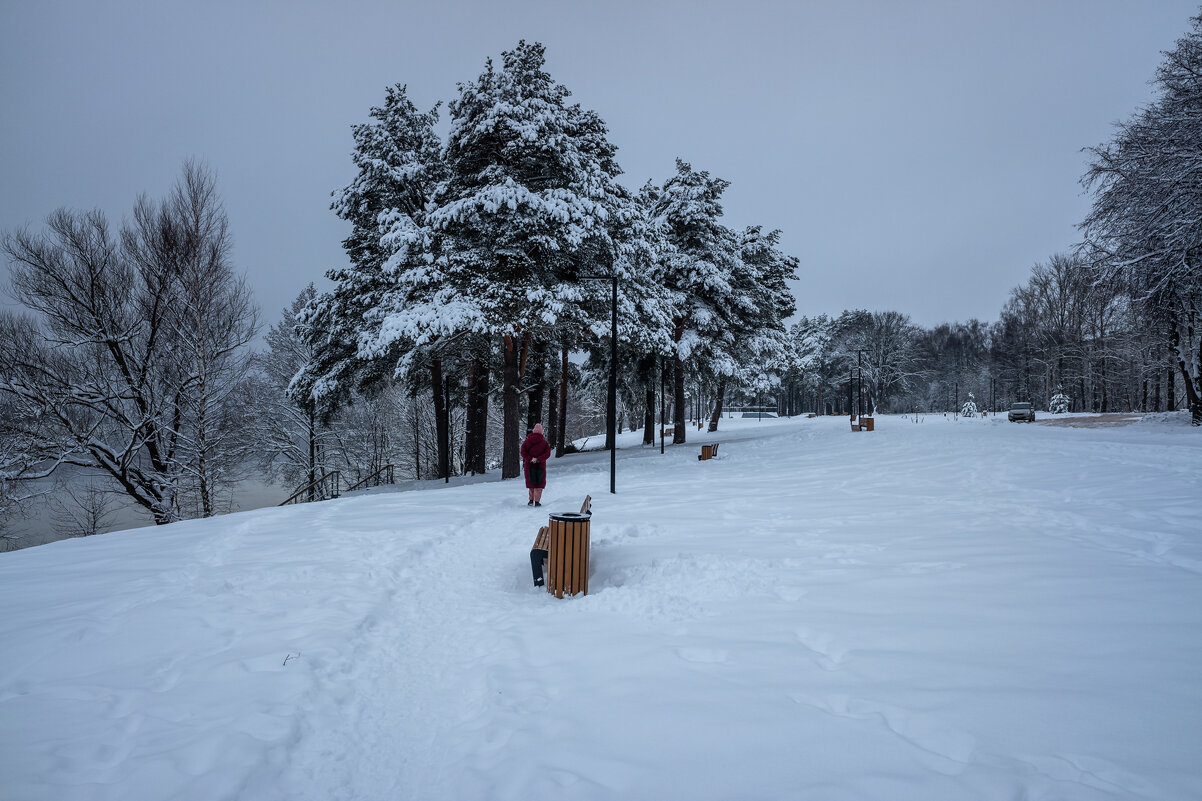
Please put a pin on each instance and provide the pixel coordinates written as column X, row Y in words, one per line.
column 969, row 409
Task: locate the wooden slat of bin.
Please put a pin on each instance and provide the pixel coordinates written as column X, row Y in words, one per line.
column 565, row 562
column 588, row 550
column 572, row 586
column 555, row 584
column 569, row 558
column 552, row 561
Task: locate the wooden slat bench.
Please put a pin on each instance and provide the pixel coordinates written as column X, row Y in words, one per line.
column 538, row 555
column 541, row 557
column 708, row 452
column 854, row 425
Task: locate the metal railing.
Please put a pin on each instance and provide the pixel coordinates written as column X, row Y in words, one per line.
column 322, row 489
column 384, row 475
column 750, row 411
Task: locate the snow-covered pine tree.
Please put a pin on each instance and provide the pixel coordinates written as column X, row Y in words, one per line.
column 969, row 409
column 527, row 203
column 661, row 309
column 760, row 350
column 700, row 269
column 399, row 163
column 813, row 352
column 645, row 311
column 290, row 437
column 1059, row 403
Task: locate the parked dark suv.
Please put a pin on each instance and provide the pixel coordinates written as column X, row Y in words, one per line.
column 1021, row 412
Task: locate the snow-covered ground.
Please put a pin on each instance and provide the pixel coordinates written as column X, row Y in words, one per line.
column 935, row 610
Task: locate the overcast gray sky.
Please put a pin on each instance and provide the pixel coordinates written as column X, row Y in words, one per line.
column 917, row 156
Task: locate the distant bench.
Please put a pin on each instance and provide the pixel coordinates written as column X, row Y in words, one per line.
column 708, row 452
column 866, row 424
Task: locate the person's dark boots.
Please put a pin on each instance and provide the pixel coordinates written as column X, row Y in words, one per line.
column 530, row 502
column 536, row 503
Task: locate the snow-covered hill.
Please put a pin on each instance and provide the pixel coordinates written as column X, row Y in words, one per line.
column 937, row 610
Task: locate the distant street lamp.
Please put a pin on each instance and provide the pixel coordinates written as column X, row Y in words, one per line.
column 611, row 406
column 860, row 383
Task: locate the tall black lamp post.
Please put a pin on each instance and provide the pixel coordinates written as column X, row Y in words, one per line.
column 663, row 399
column 611, row 407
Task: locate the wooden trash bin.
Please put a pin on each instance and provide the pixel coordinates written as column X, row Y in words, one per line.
column 567, row 557
column 707, row 452
column 867, row 422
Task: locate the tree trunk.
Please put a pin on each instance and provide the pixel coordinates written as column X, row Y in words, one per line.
column 440, row 416
column 312, row 447
column 536, row 385
column 1102, row 380
column 511, row 464
column 477, row 416
column 678, row 422
column 552, row 381
column 417, row 442
column 647, row 376
column 1191, row 379
column 561, row 435
column 719, row 397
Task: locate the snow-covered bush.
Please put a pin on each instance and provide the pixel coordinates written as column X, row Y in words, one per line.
column 970, row 406
column 1059, row 403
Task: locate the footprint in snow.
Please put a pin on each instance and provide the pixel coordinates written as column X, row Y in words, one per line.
column 827, row 653
column 920, row 730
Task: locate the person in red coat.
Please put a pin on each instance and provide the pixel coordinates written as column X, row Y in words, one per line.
column 535, row 452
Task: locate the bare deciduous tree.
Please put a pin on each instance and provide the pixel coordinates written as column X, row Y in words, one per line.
column 132, row 348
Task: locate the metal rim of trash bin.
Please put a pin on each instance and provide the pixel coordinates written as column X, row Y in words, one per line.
column 570, row 517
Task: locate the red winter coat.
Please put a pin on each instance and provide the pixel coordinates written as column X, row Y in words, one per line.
column 535, row 447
